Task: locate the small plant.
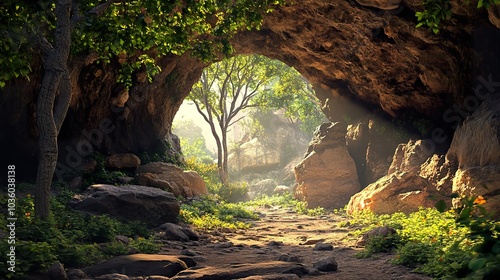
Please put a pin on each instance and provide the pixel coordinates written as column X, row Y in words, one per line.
column 209, row 213
column 485, row 231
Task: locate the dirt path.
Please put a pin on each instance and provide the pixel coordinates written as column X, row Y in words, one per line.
column 282, row 232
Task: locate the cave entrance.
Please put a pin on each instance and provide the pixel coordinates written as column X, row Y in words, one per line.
column 253, row 118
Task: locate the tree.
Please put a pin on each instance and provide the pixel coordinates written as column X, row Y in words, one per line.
column 224, row 90
column 110, row 29
column 228, row 87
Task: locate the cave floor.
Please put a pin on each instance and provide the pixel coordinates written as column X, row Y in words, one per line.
column 281, row 231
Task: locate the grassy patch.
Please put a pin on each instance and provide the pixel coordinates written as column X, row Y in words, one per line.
column 286, row 200
column 73, row 238
column 211, row 213
column 430, row 241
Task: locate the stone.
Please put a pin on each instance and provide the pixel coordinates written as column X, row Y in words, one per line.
column 243, row 270
column 327, row 175
column 290, row 258
column 77, row 274
column 382, row 231
column 141, row 265
column 282, row 190
column 323, row 247
column 326, row 264
column 404, row 192
column 260, row 188
column 380, row 4
column 177, row 232
column 128, row 203
column 112, row 276
column 172, row 178
column 281, row 276
column 404, row 188
column 188, row 252
column 57, row 272
column 478, row 165
column 123, row 161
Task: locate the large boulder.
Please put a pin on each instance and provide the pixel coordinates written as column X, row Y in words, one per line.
column 475, row 150
column 172, row 178
column 141, row 265
column 129, row 203
column 408, row 185
column 327, row 175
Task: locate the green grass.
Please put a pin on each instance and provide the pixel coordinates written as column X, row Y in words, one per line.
column 431, row 242
column 285, row 200
column 73, row 238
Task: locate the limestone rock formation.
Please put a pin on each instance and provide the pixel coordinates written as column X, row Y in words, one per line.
column 125, row 160
column 129, row 203
column 403, row 188
column 476, row 151
column 327, row 175
column 172, row 178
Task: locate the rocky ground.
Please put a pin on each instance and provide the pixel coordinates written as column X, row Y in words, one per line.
column 281, row 245
column 283, row 235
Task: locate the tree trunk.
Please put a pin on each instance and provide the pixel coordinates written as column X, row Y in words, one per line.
column 56, row 78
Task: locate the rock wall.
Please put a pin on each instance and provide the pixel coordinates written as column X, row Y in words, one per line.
column 327, row 175
column 360, row 56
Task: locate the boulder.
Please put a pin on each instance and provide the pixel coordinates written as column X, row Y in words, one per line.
column 327, row 175
column 382, row 231
column 281, row 189
column 177, row 232
column 122, row 161
column 57, row 272
column 326, row 264
column 129, row 203
column 172, row 178
column 141, row 265
column 407, row 186
column 478, row 165
column 264, row 187
column 237, row 271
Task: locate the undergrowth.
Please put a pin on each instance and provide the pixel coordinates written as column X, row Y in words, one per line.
column 285, row 200
column 454, row 244
column 73, row 238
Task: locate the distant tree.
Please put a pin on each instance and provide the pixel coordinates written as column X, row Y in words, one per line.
column 193, row 142
column 229, row 87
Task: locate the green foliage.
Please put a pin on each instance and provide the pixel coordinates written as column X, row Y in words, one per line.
column 437, row 11
column 484, row 232
column 285, row 200
column 428, row 240
column 135, row 31
column 68, row 236
column 210, row 213
column 379, row 244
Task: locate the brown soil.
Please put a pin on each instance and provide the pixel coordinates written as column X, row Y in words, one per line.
column 281, row 231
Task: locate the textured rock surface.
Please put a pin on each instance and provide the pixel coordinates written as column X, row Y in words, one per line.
column 402, row 189
column 141, row 265
column 476, row 151
column 123, row 161
column 129, row 203
column 327, row 175
column 241, row 271
column 170, row 177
